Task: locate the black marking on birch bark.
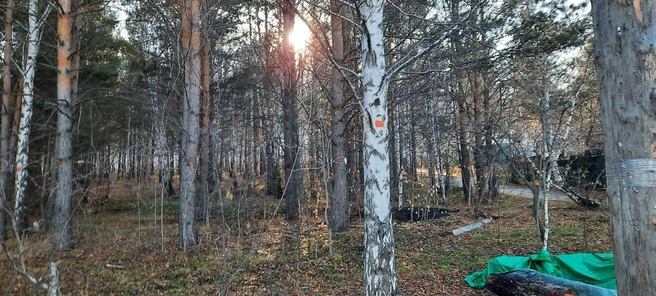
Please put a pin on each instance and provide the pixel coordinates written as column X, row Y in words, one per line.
column 367, row 36
column 618, row 38
column 369, row 120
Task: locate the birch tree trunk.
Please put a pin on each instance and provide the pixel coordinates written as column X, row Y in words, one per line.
column 5, row 118
column 548, row 146
column 63, row 233
column 339, row 203
column 625, row 39
column 190, row 122
column 379, row 270
column 34, row 33
column 290, row 121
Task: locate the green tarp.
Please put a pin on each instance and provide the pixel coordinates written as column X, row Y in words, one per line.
column 596, row 269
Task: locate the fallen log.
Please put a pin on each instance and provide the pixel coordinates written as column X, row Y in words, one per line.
column 504, row 284
column 471, row 227
column 577, row 198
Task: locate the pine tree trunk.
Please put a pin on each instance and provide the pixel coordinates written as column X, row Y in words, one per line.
column 63, row 233
column 204, row 173
column 190, row 123
column 273, row 171
column 465, row 160
column 290, row 117
column 479, row 150
column 5, row 120
column 398, row 154
column 394, row 166
column 626, row 67
column 493, row 176
column 379, row 270
column 339, row 202
column 13, row 138
column 412, row 163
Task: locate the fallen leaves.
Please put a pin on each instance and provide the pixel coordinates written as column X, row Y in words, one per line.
column 131, row 253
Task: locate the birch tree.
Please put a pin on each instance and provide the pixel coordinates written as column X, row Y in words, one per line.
column 5, row 119
column 625, row 39
column 190, row 122
column 379, row 270
column 379, row 265
column 34, row 35
column 66, row 74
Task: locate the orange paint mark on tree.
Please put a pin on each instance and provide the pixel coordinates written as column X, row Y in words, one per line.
column 61, row 163
column 18, row 169
column 192, row 159
column 638, row 10
column 379, row 123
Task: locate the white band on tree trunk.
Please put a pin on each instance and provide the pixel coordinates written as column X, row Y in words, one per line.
column 638, row 173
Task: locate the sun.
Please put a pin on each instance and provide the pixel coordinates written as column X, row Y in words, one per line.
column 300, row 36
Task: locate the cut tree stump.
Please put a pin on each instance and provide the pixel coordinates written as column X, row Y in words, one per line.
column 510, row 285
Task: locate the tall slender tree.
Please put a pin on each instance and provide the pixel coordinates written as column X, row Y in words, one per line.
column 5, row 117
column 66, row 74
column 379, row 270
column 290, row 115
column 625, row 34
column 338, row 201
column 191, row 46
column 204, row 168
column 29, row 69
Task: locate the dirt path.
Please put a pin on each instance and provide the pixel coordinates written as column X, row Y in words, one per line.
column 519, row 190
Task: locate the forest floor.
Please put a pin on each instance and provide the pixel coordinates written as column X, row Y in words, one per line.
column 128, row 245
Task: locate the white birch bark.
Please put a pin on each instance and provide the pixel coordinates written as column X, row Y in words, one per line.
column 547, row 138
column 553, row 148
column 34, row 28
column 379, row 269
column 53, row 285
column 397, row 152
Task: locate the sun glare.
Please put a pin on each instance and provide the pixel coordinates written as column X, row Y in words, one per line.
column 300, row 36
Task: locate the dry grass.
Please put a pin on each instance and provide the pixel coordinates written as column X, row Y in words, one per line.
column 126, row 246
